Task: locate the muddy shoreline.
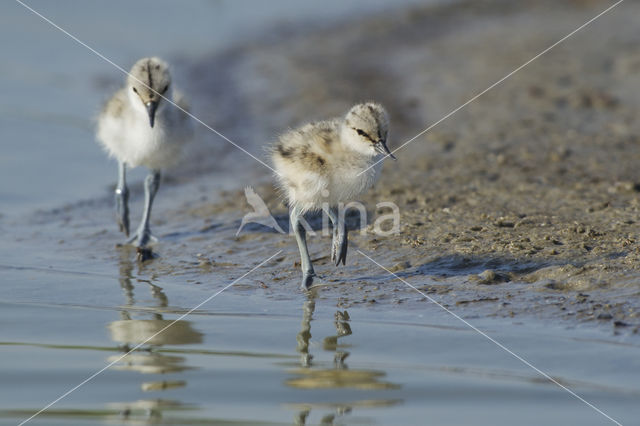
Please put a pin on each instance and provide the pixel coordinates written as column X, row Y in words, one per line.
column 524, row 204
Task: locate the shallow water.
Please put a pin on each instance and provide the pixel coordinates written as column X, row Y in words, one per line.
column 238, row 358
column 261, row 351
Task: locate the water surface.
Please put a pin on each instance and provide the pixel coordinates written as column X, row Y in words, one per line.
column 241, row 359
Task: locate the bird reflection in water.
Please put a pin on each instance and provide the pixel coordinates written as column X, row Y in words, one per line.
column 312, row 375
column 144, row 322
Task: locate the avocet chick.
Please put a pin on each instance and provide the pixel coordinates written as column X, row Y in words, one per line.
column 327, row 163
column 139, row 127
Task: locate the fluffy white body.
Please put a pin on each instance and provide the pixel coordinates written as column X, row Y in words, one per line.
column 124, row 131
column 321, row 165
column 139, row 127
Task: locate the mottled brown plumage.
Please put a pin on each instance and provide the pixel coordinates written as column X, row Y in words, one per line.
column 323, row 164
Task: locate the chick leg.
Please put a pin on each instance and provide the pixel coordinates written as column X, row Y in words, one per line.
column 305, row 260
column 340, row 239
column 143, row 234
column 122, row 199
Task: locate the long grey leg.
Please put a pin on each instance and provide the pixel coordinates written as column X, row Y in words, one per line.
column 305, row 260
column 340, row 239
column 151, row 184
column 122, row 199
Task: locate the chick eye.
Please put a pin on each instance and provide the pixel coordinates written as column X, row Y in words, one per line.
column 135, row 90
column 363, row 134
column 165, row 89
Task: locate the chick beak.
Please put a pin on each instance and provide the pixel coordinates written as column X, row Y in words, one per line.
column 151, row 109
column 381, row 147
